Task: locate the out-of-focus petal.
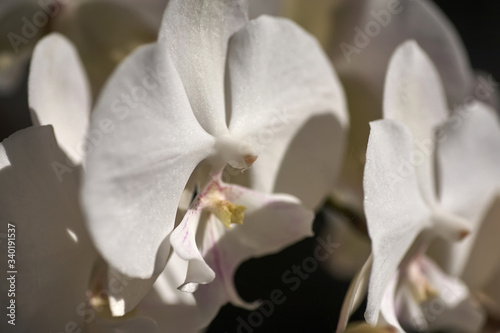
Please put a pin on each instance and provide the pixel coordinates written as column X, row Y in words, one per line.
column 468, row 159
column 271, row 222
column 59, row 94
column 196, row 34
column 363, row 77
column 288, row 104
column 414, row 95
column 53, row 253
column 451, row 309
column 143, row 144
column 394, row 207
column 105, row 32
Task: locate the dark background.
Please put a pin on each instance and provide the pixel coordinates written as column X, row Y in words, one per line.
column 315, row 305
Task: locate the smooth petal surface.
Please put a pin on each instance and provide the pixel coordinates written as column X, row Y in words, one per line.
column 53, row 253
column 394, row 207
column 363, row 71
column 196, row 35
column 144, row 142
column 271, row 223
column 469, row 156
column 183, row 241
column 288, row 104
column 388, row 308
column 59, row 94
column 413, row 94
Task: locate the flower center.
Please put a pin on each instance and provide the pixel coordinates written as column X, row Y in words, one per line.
column 421, row 289
column 214, row 200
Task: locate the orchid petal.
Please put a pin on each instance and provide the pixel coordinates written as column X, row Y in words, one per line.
column 196, row 35
column 394, row 207
column 459, row 309
column 414, row 95
column 288, row 104
column 150, row 104
column 183, row 240
column 355, row 294
column 422, row 21
column 105, row 32
column 53, row 253
column 469, row 155
column 452, row 309
column 59, row 93
column 271, row 222
column 388, row 310
column 363, row 71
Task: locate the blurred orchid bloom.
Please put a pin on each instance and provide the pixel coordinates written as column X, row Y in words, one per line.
column 400, row 184
column 214, row 90
column 104, row 31
column 54, row 255
column 366, row 33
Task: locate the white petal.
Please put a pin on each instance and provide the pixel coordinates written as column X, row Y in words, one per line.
column 144, row 142
column 105, row 32
column 421, row 20
column 355, row 294
column 53, row 253
column 468, row 156
column 196, row 34
column 183, row 240
column 59, row 94
column 289, row 105
column 452, row 310
column 394, row 207
column 388, row 310
column 413, row 94
column 363, row 72
column 271, row 223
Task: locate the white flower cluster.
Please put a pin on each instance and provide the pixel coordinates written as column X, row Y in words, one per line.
column 221, row 139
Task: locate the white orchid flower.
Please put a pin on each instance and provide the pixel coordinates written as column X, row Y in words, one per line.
column 401, row 201
column 366, row 34
column 104, row 31
column 52, row 252
column 215, row 89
